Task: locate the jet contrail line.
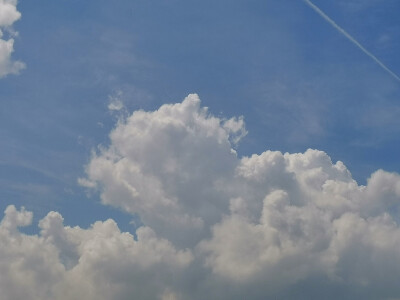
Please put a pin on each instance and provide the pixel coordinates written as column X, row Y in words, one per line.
column 350, row 38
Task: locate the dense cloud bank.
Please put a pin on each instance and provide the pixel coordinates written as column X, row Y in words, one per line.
column 216, row 226
column 8, row 15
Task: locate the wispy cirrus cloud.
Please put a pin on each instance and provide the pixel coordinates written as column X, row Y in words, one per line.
column 357, row 5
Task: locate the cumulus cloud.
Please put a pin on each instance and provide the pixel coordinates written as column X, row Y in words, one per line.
column 8, row 15
column 74, row 263
column 169, row 166
column 216, row 225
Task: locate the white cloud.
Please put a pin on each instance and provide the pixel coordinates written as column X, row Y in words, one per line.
column 169, row 166
column 8, row 12
column 8, row 15
column 271, row 225
column 274, row 217
column 115, row 102
column 75, row 263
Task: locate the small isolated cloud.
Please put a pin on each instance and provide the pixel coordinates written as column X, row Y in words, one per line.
column 216, row 226
column 115, row 102
column 8, row 15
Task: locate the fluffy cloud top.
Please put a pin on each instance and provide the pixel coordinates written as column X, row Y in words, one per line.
column 216, row 226
column 170, row 167
column 8, row 15
column 75, row 263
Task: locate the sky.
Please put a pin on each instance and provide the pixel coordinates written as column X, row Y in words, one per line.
column 199, row 149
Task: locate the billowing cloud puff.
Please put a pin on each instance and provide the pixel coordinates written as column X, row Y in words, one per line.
column 8, row 15
column 75, row 263
column 216, row 225
column 170, row 167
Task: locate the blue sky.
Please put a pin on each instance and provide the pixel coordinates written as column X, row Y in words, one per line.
column 296, row 80
column 298, row 83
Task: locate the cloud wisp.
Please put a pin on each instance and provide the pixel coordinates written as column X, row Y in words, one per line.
column 216, row 226
column 351, row 39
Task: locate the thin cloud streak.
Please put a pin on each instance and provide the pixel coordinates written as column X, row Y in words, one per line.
column 351, row 39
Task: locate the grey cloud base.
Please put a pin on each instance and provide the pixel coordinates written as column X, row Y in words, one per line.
column 292, row 226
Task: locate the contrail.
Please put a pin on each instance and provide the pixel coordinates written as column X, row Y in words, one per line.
column 350, row 38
